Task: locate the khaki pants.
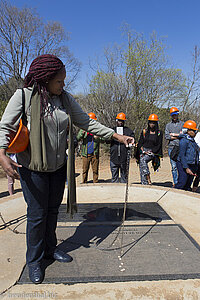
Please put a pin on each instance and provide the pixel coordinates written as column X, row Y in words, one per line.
column 94, row 160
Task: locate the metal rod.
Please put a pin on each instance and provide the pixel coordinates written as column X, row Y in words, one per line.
column 126, row 198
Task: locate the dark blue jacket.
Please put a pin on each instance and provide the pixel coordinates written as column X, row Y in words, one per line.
column 188, row 151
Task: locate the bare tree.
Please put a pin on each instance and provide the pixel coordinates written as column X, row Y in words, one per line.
column 136, row 78
column 192, row 92
column 23, row 36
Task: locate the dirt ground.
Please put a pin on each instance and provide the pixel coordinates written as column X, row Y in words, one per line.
column 162, row 177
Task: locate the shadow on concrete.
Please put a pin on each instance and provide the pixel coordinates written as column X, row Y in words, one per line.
column 19, row 220
column 46, row 263
column 89, row 232
column 106, row 181
column 100, row 181
column 198, row 190
column 108, row 214
column 165, row 184
column 5, row 194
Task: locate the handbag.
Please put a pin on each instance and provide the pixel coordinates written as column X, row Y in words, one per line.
column 174, row 153
column 136, row 153
column 20, row 141
column 156, row 162
column 137, row 150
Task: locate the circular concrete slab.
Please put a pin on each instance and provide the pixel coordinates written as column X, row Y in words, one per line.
column 182, row 207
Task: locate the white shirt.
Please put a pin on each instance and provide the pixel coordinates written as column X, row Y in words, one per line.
column 197, row 140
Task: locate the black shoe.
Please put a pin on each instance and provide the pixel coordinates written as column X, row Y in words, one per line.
column 59, row 256
column 36, row 274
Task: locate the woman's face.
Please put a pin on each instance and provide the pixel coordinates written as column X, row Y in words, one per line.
column 191, row 133
column 55, row 86
column 152, row 124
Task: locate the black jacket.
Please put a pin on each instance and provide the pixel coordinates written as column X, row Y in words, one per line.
column 156, row 145
column 114, row 148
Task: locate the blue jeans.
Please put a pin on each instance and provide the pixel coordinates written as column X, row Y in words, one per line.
column 174, row 168
column 43, row 193
column 184, row 179
column 115, row 172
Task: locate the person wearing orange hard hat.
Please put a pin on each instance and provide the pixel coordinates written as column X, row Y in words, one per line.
column 92, row 116
column 172, row 132
column 188, row 157
column 121, row 117
column 150, row 148
column 118, row 152
column 89, row 152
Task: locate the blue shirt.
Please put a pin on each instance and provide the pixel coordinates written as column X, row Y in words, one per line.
column 90, row 143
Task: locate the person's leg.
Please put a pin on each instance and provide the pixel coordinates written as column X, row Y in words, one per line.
column 182, row 176
column 35, row 186
column 86, row 165
column 144, row 169
column 173, row 168
column 95, row 168
column 188, row 184
column 56, row 191
column 196, row 180
column 148, row 178
column 123, row 168
column 115, row 172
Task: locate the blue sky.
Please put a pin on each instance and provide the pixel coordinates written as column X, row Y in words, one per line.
column 95, row 24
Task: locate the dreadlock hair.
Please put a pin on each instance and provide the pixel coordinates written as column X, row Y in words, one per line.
column 42, row 69
column 156, row 127
column 156, row 130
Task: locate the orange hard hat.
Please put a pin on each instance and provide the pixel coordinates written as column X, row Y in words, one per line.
column 121, row 116
column 174, row 110
column 153, row 117
column 20, row 141
column 92, row 116
column 190, row 125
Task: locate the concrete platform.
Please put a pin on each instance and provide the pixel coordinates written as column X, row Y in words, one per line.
column 183, row 211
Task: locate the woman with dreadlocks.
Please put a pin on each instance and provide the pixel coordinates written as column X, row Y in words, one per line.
column 150, row 148
column 41, row 168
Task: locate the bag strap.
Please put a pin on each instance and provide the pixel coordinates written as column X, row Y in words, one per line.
column 24, row 119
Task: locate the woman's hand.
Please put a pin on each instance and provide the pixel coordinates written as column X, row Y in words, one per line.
column 149, row 152
column 8, row 165
column 188, row 171
column 126, row 140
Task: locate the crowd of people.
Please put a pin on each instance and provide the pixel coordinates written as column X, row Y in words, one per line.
column 50, row 112
column 183, row 150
